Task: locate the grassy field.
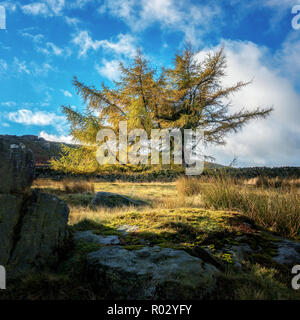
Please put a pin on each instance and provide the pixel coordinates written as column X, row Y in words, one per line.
column 188, row 214
column 274, row 204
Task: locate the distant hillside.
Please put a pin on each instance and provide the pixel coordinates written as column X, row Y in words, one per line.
column 45, row 150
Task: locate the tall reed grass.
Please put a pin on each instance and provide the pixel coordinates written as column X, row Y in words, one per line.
column 275, row 209
column 188, row 186
column 273, row 204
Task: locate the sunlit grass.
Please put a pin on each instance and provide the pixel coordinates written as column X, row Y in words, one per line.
column 270, row 206
column 191, row 212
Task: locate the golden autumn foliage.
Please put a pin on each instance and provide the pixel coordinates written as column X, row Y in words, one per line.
column 187, row 96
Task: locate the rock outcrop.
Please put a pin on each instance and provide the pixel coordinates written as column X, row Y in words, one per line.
column 108, row 199
column 89, row 236
column 16, row 166
column 33, row 225
column 151, row 273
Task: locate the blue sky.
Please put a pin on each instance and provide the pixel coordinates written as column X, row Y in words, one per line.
column 47, row 42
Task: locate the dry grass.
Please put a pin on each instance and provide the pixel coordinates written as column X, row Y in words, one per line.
column 270, row 206
column 70, row 186
column 188, row 186
column 275, row 209
column 78, row 214
column 277, row 182
column 67, row 185
column 172, row 220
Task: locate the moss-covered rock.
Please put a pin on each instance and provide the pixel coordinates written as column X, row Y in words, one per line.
column 151, row 273
column 108, row 199
column 89, row 236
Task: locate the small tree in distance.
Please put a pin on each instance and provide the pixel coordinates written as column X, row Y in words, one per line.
column 187, row 96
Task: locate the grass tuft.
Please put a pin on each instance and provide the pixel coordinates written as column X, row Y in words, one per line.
column 276, row 210
column 188, row 186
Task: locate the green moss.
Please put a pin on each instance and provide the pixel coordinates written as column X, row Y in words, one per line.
column 87, row 224
column 133, row 247
column 258, row 283
column 226, row 257
column 187, row 228
column 85, row 247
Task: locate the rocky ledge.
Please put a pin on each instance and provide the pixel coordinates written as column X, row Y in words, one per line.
column 33, row 225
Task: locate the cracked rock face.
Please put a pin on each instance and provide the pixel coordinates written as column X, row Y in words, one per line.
column 42, row 229
column 151, row 273
column 33, row 225
column 10, row 209
column 16, row 166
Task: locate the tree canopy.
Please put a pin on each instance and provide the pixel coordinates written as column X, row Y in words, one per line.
column 188, row 95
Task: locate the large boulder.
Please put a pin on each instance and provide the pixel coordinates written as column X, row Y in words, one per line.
column 16, row 166
column 33, row 225
column 288, row 252
column 10, row 211
column 108, row 199
column 151, row 273
column 41, row 231
column 89, row 236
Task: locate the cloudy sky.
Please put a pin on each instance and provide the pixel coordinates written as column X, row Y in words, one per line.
column 47, row 42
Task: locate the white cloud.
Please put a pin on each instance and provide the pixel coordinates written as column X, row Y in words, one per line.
column 38, row 118
column 56, row 138
column 288, row 56
column 72, row 21
column 85, row 43
column 56, row 6
column 79, row 4
column 41, row 69
column 3, row 66
column 49, row 8
column 66, row 93
column 48, row 48
column 44, row 104
column 109, row 69
column 9, row 104
column 271, row 142
column 37, row 8
column 53, row 49
column 37, row 38
column 176, row 15
column 124, row 45
column 44, row 8
column 279, row 3
column 274, row 4
column 20, row 66
column 9, row 6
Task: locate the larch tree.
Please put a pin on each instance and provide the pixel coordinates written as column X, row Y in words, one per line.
column 197, row 98
column 133, row 99
column 188, row 96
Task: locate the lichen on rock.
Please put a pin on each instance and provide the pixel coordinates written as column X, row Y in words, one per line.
column 151, row 273
column 33, row 225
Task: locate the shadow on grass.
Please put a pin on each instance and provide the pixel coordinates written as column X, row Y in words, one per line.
column 69, row 279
